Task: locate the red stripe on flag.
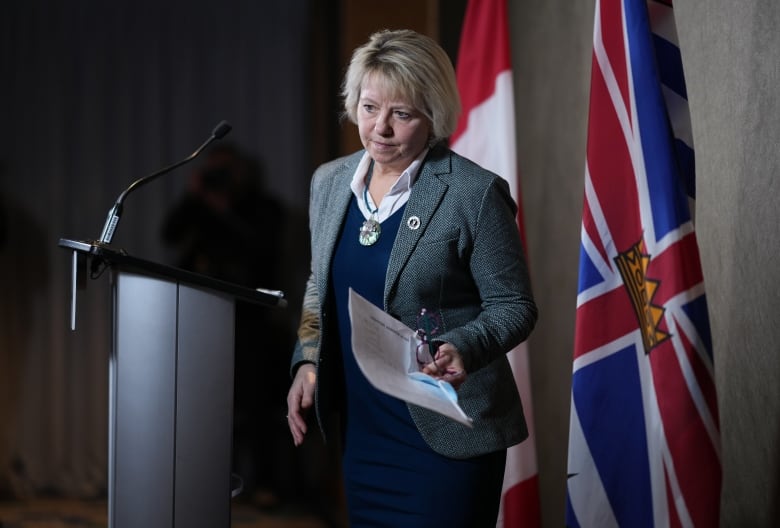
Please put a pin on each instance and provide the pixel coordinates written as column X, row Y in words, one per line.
column 703, row 376
column 485, row 23
column 594, row 328
column 521, row 504
column 674, row 519
column 677, row 268
column 614, row 44
column 696, row 463
column 609, row 162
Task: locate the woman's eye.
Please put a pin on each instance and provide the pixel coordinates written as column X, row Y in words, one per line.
column 368, row 108
column 402, row 115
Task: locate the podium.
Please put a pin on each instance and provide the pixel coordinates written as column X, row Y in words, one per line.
column 170, row 395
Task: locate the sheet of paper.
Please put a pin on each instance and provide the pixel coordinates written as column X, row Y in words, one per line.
column 384, row 349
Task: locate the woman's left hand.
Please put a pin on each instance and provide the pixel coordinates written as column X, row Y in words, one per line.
column 448, row 365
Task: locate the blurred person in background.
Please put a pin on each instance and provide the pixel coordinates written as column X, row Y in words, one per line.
column 226, row 227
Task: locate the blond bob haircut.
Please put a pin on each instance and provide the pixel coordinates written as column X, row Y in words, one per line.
column 414, row 68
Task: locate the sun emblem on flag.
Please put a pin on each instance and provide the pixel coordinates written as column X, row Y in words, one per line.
column 633, row 264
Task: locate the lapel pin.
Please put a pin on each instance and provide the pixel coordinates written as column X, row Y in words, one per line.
column 413, row 223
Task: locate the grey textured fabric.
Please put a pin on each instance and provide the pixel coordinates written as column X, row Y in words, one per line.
column 464, row 261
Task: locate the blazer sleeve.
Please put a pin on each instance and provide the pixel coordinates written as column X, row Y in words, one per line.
column 506, row 312
column 307, row 345
column 324, row 221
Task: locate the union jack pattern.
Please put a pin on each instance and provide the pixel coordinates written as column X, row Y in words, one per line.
column 644, row 440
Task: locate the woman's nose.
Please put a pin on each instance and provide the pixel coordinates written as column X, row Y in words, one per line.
column 382, row 124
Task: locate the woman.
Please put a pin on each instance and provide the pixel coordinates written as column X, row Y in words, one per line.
column 412, row 226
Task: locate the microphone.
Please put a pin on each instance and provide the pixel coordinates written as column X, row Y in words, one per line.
column 115, row 213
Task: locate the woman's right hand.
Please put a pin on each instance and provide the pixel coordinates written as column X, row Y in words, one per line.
column 299, row 400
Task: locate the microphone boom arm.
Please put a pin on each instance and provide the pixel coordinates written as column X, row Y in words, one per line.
column 116, row 211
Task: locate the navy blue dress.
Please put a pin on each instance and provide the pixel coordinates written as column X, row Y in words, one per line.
column 392, row 477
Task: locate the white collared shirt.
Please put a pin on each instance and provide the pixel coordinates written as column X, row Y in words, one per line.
column 395, row 198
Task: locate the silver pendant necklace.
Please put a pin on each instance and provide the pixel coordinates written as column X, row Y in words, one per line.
column 371, row 229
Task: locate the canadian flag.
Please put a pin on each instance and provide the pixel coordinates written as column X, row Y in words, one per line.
column 486, row 135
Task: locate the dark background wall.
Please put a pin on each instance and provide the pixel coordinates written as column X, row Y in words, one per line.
column 94, row 96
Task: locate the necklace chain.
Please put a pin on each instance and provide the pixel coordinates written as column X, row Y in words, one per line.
column 371, row 229
column 365, row 190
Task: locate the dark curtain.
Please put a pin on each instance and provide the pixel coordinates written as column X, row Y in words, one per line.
column 93, row 96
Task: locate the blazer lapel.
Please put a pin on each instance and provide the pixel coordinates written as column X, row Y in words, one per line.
column 427, row 193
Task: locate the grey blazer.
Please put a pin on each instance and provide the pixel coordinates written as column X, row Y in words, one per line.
column 465, row 261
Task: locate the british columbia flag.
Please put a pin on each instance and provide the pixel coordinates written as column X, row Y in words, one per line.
column 644, row 441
